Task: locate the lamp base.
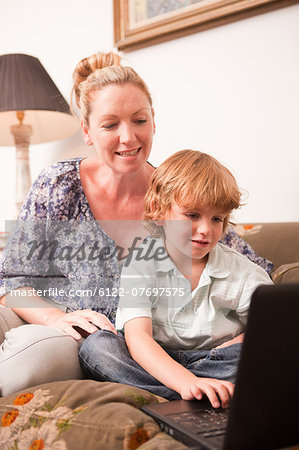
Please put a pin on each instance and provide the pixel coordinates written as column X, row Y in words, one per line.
column 21, row 134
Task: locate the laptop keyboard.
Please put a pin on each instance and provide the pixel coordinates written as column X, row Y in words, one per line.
column 206, row 422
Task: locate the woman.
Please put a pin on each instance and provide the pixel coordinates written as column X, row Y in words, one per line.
column 118, row 120
column 80, row 218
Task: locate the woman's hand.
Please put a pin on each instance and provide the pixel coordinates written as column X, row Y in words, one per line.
column 87, row 320
column 214, row 389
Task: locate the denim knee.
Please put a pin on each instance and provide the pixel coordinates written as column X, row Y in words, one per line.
column 221, row 363
column 98, row 344
column 95, row 354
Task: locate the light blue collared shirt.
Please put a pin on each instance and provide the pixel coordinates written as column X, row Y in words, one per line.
column 213, row 313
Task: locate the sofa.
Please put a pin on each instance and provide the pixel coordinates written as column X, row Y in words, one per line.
column 85, row 414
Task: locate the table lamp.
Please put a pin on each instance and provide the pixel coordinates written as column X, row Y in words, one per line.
column 32, row 111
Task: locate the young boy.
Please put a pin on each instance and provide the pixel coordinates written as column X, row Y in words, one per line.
column 184, row 297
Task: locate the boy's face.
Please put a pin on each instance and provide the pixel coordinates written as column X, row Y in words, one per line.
column 192, row 233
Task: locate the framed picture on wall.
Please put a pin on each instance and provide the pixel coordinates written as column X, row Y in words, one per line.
column 138, row 23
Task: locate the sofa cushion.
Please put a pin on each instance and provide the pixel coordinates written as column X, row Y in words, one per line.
column 80, row 414
column 287, row 273
column 278, row 242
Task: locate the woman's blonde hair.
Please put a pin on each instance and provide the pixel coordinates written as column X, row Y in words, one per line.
column 191, row 179
column 100, row 70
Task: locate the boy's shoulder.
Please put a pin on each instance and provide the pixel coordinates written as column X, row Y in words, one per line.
column 234, row 260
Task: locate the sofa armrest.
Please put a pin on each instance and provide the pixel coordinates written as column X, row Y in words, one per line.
column 287, row 273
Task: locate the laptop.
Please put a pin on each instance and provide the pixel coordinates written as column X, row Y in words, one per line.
column 264, row 411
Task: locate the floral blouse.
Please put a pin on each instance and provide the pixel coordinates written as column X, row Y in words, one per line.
column 59, row 249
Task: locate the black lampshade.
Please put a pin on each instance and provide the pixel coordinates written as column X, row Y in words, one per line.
column 26, row 86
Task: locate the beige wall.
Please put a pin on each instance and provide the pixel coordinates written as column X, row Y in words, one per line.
column 231, row 91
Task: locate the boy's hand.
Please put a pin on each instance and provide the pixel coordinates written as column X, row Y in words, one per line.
column 214, row 389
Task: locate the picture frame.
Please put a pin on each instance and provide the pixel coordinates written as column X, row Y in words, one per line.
column 139, row 23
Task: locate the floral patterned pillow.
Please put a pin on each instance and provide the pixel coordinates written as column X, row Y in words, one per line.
column 80, row 414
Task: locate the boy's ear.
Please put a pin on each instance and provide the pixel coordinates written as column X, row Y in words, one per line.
column 159, row 220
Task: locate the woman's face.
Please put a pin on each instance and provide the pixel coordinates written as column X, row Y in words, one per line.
column 121, row 127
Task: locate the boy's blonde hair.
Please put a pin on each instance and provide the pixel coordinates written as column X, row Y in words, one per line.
column 191, row 179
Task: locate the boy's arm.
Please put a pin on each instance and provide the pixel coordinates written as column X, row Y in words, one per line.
column 255, row 278
column 150, row 355
column 236, row 340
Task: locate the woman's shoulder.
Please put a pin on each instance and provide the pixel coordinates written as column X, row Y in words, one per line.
column 234, row 241
column 59, row 170
column 56, row 189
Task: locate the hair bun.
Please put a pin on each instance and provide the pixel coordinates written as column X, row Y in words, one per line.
column 88, row 65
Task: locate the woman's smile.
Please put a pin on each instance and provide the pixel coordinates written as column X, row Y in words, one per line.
column 128, row 153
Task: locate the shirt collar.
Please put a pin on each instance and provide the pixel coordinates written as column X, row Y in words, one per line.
column 162, row 263
column 217, row 266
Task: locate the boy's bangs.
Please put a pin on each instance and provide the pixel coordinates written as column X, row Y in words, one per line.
column 209, row 192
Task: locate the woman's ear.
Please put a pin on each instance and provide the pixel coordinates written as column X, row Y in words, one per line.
column 154, row 124
column 86, row 133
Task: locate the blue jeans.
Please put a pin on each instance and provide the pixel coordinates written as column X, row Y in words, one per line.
column 104, row 356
